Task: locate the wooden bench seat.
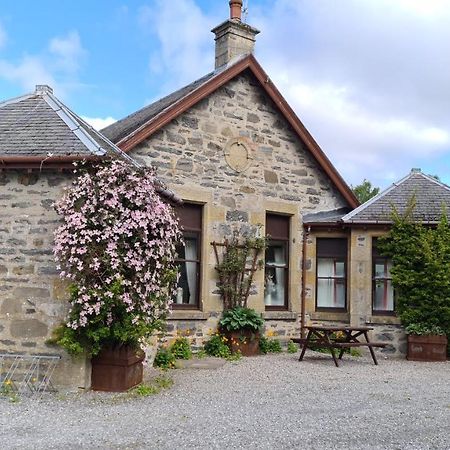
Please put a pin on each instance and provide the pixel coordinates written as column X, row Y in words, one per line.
column 338, row 344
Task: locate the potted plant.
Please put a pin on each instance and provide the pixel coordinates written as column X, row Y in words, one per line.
column 421, row 277
column 116, row 246
column 242, row 327
column 426, row 343
column 236, row 266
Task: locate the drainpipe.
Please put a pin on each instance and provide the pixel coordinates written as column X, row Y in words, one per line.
column 303, row 300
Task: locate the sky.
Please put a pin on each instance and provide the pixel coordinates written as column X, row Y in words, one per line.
column 370, row 79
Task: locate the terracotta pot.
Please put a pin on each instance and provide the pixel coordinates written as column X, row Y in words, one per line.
column 245, row 341
column 427, row 348
column 117, row 369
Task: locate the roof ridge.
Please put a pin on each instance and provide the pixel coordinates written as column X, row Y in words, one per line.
column 434, row 180
column 160, row 99
column 18, row 99
column 71, row 120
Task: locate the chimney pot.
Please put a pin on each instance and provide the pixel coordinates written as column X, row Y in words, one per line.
column 43, row 89
column 236, row 10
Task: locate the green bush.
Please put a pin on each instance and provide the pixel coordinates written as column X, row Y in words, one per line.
column 164, row 359
column 238, row 318
column 269, row 345
column 181, row 348
column 292, row 347
column 420, row 271
column 425, row 330
column 217, row 346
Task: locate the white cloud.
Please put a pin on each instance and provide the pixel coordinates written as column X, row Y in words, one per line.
column 185, row 42
column 369, row 79
column 57, row 66
column 99, row 122
column 3, row 36
column 68, row 51
column 28, row 72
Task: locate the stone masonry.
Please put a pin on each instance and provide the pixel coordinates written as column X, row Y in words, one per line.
column 280, row 175
column 33, row 299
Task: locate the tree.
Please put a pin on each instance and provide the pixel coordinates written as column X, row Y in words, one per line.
column 365, row 191
column 421, row 270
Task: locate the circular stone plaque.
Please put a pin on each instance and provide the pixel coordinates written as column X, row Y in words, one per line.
column 238, row 154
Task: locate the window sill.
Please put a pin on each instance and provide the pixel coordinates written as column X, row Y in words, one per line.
column 185, row 314
column 383, row 320
column 280, row 315
column 326, row 315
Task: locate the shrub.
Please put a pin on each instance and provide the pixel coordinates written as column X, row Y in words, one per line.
column 269, row 345
column 116, row 245
column 217, row 346
column 292, row 347
column 164, row 359
column 420, row 271
column 238, row 318
column 181, row 349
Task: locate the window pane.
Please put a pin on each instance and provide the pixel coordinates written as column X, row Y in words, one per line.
column 330, row 267
column 383, row 296
column 274, row 286
column 330, row 293
column 187, row 284
column 276, row 253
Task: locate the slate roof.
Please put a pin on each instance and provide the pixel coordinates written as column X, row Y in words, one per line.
column 39, row 125
column 126, row 126
column 325, row 217
column 430, row 196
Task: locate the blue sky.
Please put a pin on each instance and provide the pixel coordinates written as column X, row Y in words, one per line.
column 368, row 78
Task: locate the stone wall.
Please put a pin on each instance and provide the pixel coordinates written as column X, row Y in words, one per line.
column 387, row 328
column 235, row 153
column 33, row 300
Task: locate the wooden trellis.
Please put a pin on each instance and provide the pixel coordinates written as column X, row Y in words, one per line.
column 236, row 266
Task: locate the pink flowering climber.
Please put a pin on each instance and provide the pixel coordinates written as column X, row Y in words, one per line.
column 116, row 245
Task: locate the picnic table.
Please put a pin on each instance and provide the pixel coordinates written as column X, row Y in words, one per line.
column 337, row 338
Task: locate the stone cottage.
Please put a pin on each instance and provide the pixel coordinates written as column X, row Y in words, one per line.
column 40, row 138
column 237, row 154
column 347, row 280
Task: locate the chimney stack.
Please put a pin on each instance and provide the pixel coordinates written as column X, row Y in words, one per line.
column 233, row 37
column 43, row 89
column 236, row 10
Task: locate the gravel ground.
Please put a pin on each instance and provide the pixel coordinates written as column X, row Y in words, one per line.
column 267, row 402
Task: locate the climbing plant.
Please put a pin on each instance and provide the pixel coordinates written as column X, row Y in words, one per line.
column 236, row 265
column 116, row 246
column 421, row 270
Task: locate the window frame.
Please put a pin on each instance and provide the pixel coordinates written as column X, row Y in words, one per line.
column 385, row 259
column 340, row 258
column 192, row 231
column 285, row 239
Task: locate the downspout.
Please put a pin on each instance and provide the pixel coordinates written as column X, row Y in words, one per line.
column 303, row 299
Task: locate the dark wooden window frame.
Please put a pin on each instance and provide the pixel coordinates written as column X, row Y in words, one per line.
column 341, row 258
column 375, row 257
column 192, row 230
column 284, row 238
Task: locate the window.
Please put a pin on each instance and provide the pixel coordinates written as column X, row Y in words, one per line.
column 277, row 262
column 331, row 273
column 188, row 256
column 382, row 289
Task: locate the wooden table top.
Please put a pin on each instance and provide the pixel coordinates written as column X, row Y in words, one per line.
column 337, row 328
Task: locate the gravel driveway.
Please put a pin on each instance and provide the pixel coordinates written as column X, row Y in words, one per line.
column 267, row 402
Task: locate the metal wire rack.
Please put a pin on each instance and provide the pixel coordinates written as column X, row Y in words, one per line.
column 27, row 374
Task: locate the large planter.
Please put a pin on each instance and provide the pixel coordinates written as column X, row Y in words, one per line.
column 117, row 369
column 245, row 341
column 427, row 348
